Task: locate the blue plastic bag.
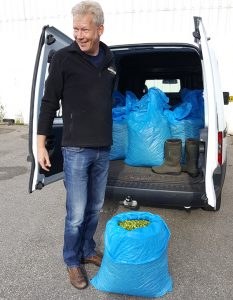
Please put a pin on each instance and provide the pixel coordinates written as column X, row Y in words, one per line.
column 180, row 112
column 132, row 102
column 182, row 124
column 195, row 98
column 123, row 106
column 118, row 99
column 120, row 139
column 187, row 118
column 148, row 129
column 186, row 128
column 135, row 262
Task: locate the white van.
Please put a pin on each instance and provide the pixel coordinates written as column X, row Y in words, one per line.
column 193, row 66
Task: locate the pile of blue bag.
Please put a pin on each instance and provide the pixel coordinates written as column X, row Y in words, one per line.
column 141, row 127
column 135, row 262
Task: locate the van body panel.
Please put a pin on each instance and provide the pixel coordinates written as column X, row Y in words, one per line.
column 222, row 126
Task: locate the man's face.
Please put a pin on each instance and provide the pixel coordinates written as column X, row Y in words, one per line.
column 87, row 33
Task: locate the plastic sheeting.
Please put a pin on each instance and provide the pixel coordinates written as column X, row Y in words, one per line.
column 135, row 262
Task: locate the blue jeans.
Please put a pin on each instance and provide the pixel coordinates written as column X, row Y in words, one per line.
column 85, row 178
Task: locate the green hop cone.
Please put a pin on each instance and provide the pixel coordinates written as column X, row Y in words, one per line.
column 133, row 224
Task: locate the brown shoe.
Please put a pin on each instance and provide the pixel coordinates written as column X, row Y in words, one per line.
column 95, row 259
column 77, row 278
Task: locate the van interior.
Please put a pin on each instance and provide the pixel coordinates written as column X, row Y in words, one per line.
column 170, row 68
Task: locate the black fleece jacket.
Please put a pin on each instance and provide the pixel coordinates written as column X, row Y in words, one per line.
column 85, row 92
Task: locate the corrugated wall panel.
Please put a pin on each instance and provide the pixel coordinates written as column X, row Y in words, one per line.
column 21, row 9
column 126, row 21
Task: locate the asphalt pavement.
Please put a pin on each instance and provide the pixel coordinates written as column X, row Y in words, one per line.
column 31, row 237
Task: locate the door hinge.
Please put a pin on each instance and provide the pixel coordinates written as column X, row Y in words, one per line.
column 50, row 39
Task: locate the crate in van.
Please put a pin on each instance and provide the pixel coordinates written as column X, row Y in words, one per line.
column 171, row 67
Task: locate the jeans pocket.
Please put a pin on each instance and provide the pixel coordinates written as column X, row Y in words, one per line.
column 74, row 149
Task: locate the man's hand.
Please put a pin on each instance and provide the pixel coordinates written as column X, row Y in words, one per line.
column 42, row 153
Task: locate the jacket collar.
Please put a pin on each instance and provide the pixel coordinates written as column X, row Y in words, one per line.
column 74, row 47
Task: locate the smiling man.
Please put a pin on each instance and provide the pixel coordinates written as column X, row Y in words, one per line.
column 81, row 76
column 87, row 34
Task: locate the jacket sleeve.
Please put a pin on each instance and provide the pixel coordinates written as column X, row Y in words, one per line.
column 52, row 96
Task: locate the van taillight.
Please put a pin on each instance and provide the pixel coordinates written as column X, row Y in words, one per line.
column 220, row 147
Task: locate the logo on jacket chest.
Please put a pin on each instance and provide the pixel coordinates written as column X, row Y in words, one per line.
column 112, row 70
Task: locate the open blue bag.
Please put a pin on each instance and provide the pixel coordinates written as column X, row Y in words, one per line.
column 148, row 129
column 135, row 262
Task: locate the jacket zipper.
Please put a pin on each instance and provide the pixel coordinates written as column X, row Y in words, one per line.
column 71, row 122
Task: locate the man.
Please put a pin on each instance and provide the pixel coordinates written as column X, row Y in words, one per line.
column 81, row 76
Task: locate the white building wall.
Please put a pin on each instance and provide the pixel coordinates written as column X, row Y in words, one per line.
column 126, row 21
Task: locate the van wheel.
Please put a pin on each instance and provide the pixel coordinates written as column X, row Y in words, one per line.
column 218, row 204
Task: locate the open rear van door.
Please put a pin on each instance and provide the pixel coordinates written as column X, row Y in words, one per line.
column 51, row 40
column 210, row 110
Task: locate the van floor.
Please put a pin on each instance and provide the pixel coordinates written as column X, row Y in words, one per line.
column 123, row 175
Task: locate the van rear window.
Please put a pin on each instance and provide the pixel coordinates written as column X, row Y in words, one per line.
column 165, row 85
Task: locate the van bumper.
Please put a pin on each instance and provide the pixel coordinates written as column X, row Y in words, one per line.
column 165, row 195
column 219, row 178
column 159, row 198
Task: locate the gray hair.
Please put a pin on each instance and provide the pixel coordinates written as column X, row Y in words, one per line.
column 89, row 7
